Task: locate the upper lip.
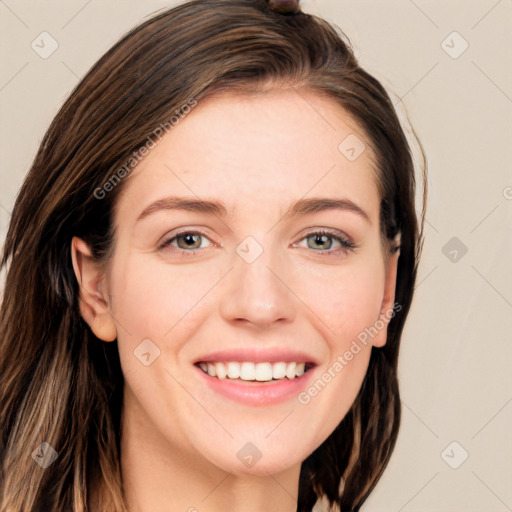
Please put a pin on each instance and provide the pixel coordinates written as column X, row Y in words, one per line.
column 257, row 355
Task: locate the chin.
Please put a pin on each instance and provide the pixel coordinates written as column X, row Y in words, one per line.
column 248, row 459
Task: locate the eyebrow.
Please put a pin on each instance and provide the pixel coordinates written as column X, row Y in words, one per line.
column 300, row 208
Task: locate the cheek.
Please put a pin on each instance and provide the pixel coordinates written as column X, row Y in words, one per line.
column 348, row 299
column 349, row 306
column 157, row 302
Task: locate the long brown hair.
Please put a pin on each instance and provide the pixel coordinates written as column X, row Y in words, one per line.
column 60, row 384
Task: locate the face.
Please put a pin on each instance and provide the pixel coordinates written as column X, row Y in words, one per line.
column 263, row 277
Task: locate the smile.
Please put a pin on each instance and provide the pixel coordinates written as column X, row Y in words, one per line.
column 259, row 372
column 256, row 383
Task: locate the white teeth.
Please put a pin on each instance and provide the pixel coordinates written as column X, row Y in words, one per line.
column 220, row 370
column 247, row 371
column 279, row 370
column 290, row 370
column 233, row 370
column 261, row 372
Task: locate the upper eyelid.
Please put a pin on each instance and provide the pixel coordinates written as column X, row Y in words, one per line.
column 167, row 238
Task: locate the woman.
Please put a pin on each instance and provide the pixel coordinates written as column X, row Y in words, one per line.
column 210, row 264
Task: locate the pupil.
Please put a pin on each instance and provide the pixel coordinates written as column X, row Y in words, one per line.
column 319, row 242
column 190, row 239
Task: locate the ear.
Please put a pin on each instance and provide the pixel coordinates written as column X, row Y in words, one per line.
column 94, row 305
column 388, row 308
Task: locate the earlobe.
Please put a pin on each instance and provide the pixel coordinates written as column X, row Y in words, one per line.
column 93, row 301
column 387, row 310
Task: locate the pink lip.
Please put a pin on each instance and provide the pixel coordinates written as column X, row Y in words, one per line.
column 257, row 355
column 250, row 393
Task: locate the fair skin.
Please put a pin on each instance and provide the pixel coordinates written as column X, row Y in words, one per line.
column 256, row 154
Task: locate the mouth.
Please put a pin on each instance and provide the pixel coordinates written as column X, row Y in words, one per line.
column 250, row 383
column 248, row 371
column 256, row 376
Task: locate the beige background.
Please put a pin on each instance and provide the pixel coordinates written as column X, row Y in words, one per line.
column 456, row 358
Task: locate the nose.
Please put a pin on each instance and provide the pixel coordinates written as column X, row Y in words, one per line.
column 257, row 294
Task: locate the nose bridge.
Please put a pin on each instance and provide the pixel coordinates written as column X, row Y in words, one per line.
column 258, row 292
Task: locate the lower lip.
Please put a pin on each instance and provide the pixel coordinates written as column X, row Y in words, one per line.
column 257, row 394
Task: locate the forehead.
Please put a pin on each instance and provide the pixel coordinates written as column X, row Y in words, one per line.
column 259, row 149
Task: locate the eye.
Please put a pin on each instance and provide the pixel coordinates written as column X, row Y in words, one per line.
column 322, row 241
column 186, row 241
column 189, row 242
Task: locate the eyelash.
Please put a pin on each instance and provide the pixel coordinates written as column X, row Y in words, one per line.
column 346, row 245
